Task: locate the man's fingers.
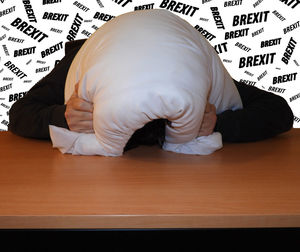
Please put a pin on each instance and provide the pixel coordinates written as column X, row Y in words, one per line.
column 210, row 108
column 82, row 105
column 76, row 88
column 82, row 116
column 207, row 108
column 76, row 103
column 81, row 126
column 78, row 116
column 86, row 106
column 213, row 108
column 208, row 121
column 75, row 92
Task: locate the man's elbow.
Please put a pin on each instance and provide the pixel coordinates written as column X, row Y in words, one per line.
column 12, row 126
column 285, row 115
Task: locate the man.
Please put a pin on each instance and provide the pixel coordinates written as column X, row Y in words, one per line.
column 264, row 114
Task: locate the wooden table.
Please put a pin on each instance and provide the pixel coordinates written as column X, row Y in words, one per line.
column 241, row 185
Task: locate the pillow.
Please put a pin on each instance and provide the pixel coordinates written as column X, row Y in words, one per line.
column 142, row 66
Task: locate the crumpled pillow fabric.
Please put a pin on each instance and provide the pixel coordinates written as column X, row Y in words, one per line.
column 142, row 66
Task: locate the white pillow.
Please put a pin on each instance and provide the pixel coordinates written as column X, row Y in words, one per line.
column 142, row 66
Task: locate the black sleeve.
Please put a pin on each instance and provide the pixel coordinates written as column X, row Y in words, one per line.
column 43, row 104
column 264, row 115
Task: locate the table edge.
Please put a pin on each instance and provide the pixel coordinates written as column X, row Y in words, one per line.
column 149, row 221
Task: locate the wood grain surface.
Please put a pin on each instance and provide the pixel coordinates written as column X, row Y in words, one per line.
column 241, row 185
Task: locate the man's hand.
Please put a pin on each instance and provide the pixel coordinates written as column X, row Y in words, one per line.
column 209, row 120
column 79, row 114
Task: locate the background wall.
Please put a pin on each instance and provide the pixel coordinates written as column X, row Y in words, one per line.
column 258, row 41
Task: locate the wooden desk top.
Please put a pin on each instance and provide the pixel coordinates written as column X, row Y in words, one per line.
column 241, row 185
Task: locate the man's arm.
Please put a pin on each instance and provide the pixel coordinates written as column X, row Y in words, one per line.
column 264, row 115
column 43, row 104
